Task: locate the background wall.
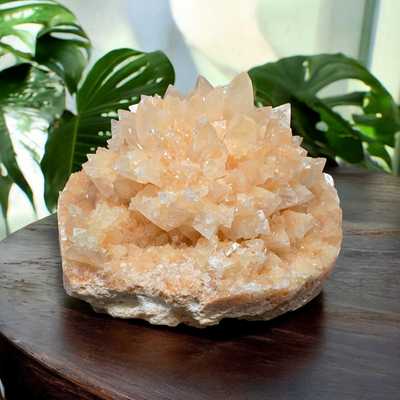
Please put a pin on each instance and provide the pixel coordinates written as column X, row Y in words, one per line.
column 220, row 38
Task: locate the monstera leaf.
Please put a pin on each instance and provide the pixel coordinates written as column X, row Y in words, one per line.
column 42, row 50
column 116, row 81
column 26, row 94
column 368, row 139
column 5, row 186
column 43, row 33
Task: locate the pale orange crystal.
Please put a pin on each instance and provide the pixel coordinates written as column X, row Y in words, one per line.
column 201, row 208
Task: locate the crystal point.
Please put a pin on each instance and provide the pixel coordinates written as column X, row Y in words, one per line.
column 203, row 86
column 174, row 92
column 239, row 96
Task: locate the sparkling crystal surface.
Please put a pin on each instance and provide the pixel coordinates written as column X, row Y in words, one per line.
column 205, row 196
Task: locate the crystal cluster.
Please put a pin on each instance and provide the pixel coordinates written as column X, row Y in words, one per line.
column 200, row 208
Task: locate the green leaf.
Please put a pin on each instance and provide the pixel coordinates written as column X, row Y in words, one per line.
column 5, row 187
column 280, row 80
column 342, row 138
column 65, row 58
column 333, row 119
column 8, row 159
column 298, row 80
column 377, row 149
column 26, row 96
column 325, row 69
column 12, row 80
column 116, row 81
column 383, row 128
column 347, row 148
column 396, row 155
column 304, row 123
column 350, row 99
column 381, row 155
column 373, row 164
column 375, row 103
column 25, row 87
column 44, row 32
column 263, row 98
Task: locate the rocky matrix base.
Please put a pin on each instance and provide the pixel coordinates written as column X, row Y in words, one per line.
column 201, row 208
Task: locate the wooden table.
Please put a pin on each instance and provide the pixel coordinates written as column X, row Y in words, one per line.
column 345, row 344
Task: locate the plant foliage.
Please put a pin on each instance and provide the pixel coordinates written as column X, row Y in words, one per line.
column 367, row 139
column 43, row 33
column 42, row 48
column 26, row 94
column 43, row 52
column 116, row 81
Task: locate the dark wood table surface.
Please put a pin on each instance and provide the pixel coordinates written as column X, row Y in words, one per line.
column 345, row 344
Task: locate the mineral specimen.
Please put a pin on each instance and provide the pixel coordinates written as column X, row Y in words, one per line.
column 201, row 208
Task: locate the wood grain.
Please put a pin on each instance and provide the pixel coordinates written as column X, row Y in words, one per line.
column 345, row 344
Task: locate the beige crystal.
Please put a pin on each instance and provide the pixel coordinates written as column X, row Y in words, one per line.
column 201, row 208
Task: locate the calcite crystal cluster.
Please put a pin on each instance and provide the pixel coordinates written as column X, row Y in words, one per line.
column 201, row 208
